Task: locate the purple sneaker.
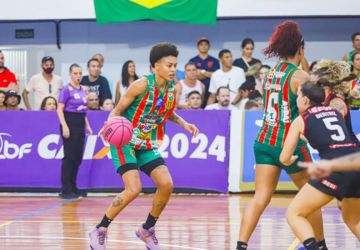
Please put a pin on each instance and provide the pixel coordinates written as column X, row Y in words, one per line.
column 148, row 236
column 97, row 239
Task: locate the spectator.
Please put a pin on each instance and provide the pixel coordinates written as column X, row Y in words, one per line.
column 7, row 78
column 101, row 60
column 355, row 84
column 252, row 105
column 188, row 85
column 257, row 97
column 12, row 100
column 223, row 100
column 356, row 45
column 49, row 104
column 229, row 76
column 43, row 84
column 2, row 100
column 107, row 105
column 128, row 76
column 73, row 122
column 194, row 99
column 249, row 64
column 96, row 83
column 92, row 101
column 260, row 79
column 245, row 89
column 205, row 64
column 100, row 57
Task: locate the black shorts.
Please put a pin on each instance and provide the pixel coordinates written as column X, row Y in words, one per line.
column 339, row 184
column 146, row 168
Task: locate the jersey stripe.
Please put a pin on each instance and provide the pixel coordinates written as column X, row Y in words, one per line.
column 140, row 109
column 266, row 94
column 286, row 95
column 121, row 155
column 275, row 129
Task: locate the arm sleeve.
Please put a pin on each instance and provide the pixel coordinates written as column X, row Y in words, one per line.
column 105, row 92
column 30, row 85
column 64, row 95
column 217, row 65
column 212, row 85
column 13, row 78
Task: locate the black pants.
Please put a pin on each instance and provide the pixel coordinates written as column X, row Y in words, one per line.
column 73, row 150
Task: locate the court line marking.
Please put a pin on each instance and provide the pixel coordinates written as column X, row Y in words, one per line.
column 140, row 221
column 82, row 238
column 38, row 211
column 294, row 244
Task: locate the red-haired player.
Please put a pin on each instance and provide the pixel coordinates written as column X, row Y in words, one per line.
column 279, row 91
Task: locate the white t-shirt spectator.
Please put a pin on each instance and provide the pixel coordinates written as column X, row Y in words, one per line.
column 42, row 88
column 216, row 106
column 185, row 90
column 233, row 79
column 242, row 103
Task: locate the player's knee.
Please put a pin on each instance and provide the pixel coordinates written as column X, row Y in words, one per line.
column 349, row 220
column 262, row 199
column 293, row 212
column 166, row 185
column 134, row 190
column 289, row 214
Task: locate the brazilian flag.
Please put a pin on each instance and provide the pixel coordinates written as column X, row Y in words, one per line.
column 186, row 11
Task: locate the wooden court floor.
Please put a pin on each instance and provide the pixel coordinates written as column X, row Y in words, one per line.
column 193, row 222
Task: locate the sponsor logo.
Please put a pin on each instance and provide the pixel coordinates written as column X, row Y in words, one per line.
column 50, row 147
column 10, row 150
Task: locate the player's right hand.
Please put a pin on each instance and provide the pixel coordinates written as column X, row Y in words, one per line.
column 66, row 132
column 317, row 169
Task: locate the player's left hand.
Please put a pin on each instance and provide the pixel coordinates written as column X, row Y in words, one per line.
column 293, row 159
column 192, row 129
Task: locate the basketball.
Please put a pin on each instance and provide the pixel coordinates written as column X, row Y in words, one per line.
column 118, row 131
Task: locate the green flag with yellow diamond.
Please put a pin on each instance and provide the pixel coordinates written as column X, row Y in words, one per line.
column 186, row 11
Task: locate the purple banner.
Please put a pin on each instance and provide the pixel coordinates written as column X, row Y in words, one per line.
column 31, row 152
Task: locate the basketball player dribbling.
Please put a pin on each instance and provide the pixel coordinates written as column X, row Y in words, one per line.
column 148, row 103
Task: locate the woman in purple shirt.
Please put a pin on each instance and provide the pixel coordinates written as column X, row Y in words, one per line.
column 72, row 107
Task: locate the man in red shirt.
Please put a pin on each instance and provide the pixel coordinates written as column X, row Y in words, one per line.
column 7, row 78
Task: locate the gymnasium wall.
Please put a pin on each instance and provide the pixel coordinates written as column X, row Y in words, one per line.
column 326, row 37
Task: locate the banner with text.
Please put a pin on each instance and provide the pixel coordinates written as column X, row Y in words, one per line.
column 31, row 152
column 252, row 124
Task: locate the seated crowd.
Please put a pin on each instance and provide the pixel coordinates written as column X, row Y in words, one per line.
column 205, row 83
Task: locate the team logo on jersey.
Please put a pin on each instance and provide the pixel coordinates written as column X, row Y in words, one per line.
column 159, row 102
column 210, row 64
column 148, row 124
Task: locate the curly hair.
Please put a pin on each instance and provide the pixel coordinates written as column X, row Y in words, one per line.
column 335, row 75
column 285, row 41
column 161, row 50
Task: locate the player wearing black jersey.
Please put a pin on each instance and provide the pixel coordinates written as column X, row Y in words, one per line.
column 337, row 87
column 325, row 129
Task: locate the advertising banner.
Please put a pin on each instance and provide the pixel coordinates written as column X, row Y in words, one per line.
column 31, row 152
column 252, row 124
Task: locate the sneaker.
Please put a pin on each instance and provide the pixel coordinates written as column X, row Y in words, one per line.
column 148, row 236
column 68, row 195
column 81, row 192
column 97, row 239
